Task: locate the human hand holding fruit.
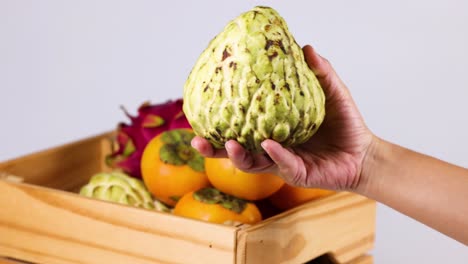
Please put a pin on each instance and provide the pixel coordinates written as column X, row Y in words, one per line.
column 254, row 91
column 331, row 159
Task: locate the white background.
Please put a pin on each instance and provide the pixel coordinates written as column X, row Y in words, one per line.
column 67, row 66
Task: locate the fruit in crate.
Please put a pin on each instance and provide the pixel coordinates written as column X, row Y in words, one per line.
column 290, row 196
column 171, row 167
column 212, row 205
column 132, row 138
column 252, row 83
column 118, row 187
column 250, row 186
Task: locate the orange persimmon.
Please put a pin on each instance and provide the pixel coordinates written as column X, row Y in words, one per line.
column 290, row 196
column 170, row 167
column 250, row 186
column 211, row 205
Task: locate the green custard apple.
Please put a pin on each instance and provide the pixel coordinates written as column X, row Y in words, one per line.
column 118, row 187
column 252, row 83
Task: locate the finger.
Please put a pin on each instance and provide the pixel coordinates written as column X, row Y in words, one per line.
column 324, row 71
column 240, row 157
column 206, row 149
column 290, row 167
column 247, row 161
column 320, row 66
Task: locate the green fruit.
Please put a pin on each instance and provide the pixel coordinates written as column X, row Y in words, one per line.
column 118, row 187
column 252, row 83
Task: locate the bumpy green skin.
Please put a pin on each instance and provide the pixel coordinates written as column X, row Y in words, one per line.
column 252, row 83
column 118, row 187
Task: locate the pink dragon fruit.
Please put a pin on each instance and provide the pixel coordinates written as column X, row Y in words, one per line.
column 131, row 139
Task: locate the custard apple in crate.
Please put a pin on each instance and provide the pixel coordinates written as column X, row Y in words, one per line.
column 118, row 187
column 252, row 83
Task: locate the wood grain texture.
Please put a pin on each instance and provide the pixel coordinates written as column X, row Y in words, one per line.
column 364, row 259
column 64, row 167
column 12, row 261
column 42, row 220
column 341, row 225
column 47, row 226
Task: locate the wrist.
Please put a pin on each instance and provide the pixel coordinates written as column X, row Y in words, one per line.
column 369, row 184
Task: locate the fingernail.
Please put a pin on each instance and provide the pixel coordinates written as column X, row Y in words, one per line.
column 228, row 146
column 264, row 144
column 193, row 143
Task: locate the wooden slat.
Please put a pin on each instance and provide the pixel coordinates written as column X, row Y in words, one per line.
column 64, row 167
column 12, row 261
column 364, row 259
column 342, row 225
column 46, row 226
column 359, row 246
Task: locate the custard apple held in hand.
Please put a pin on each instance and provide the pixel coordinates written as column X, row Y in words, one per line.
column 252, row 83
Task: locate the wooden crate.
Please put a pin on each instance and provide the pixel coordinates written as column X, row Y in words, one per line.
column 44, row 220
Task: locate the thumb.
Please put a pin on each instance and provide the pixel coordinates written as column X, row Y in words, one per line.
column 290, row 167
column 319, row 65
column 325, row 73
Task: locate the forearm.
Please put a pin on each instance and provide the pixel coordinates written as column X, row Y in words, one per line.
column 427, row 189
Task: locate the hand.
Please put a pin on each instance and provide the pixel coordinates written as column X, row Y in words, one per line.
column 332, row 159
